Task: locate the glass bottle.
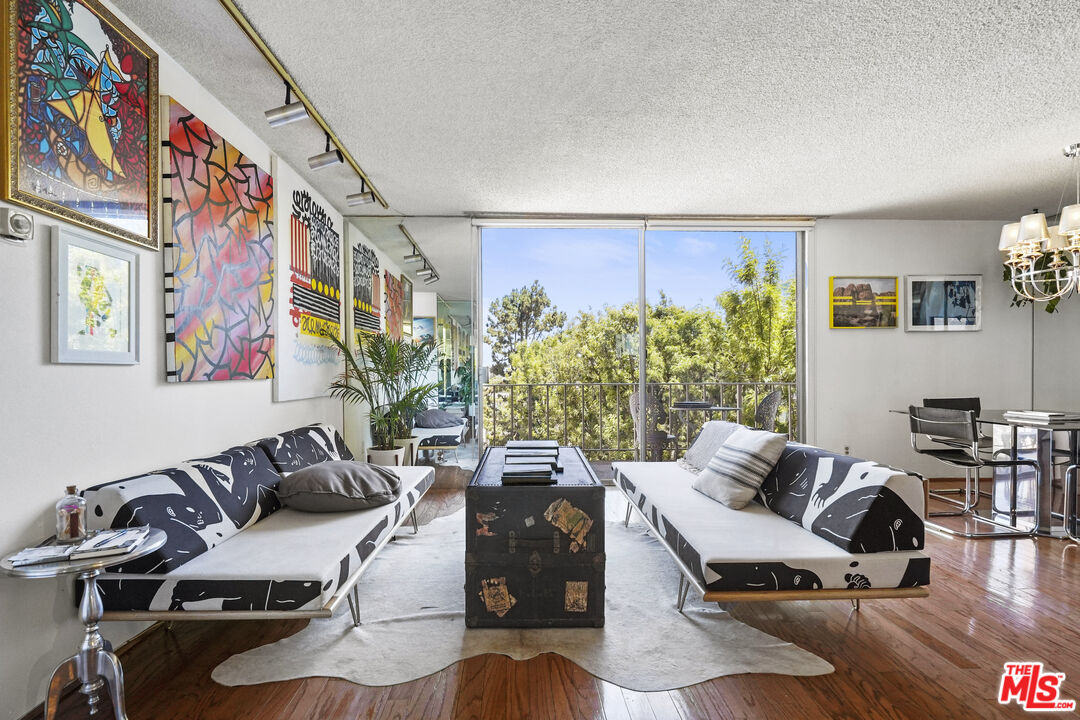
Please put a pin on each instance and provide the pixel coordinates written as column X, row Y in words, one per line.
column 70, row 517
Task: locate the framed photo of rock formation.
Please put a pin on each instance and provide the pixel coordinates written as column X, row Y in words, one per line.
column 857, row 302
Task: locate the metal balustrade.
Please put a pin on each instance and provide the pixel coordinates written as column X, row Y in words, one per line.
column 596, row 416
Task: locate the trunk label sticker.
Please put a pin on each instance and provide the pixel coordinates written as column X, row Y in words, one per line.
column 496, row 596
column 484, row 519
column 577, row 596
column 570, row 520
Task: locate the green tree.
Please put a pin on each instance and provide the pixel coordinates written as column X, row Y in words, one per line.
column 522, row 316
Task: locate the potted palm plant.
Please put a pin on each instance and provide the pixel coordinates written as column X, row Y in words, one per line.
column 387, row 375
column 464, row 375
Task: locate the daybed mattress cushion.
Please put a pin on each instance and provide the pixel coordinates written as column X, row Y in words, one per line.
column 442, row 436
column 753, row 548
column 292, row 560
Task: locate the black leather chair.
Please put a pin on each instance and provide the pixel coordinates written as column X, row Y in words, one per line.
column 957, row 435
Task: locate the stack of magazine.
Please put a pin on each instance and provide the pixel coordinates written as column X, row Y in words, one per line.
column 1041, row 416
column 530, row 462
column 100, row 544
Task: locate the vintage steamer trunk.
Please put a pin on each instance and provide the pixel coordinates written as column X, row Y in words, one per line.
column 534, row 554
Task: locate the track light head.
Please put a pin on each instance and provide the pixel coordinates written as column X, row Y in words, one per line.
column 287, row 113
column 326, row 158
column 432, row 279
column 414, row 258
column 361, row 198
column 424, row 272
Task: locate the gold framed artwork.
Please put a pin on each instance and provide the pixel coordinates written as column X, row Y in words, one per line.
column 80, row 91
column 859, row 302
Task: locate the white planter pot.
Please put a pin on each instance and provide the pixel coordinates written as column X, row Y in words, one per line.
column 386, row 457
column 409, row 446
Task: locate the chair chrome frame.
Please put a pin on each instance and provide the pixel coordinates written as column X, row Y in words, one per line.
column 968, row 444
column 1070, row 499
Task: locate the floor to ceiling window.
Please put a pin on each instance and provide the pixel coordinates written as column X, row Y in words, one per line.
column 564, row 310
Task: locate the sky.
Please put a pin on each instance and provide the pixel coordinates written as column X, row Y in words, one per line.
column 587, row 268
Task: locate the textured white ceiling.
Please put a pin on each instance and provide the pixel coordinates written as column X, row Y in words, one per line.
column 916, row 109
column 445, row 241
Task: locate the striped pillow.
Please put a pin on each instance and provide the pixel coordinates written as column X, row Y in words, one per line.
column 740, row 466
column 712, row 436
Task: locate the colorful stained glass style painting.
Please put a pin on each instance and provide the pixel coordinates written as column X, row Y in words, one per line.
column 365, row 290
column 82, row 122
column 219, row 258
column 395, row 305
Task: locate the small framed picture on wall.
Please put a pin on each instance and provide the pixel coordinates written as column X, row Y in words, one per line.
column 95, row 300
column 944, row 303
column 863, row 301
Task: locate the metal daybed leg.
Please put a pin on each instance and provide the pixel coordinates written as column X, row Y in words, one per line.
column 684, row 589
column 354, row 605
column 415, row 525
column 626, row 520
column 855, row 604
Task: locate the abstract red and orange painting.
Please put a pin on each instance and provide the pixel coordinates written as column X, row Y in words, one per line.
column 219, row 258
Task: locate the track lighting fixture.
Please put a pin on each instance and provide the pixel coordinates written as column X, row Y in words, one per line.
column 427, row 272
column 287, row 113
column 326, row 158
column 424, row 272
column 415, row 257
column 364, row 197
column 432, row 279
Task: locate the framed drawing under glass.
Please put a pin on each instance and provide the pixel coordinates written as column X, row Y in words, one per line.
column 80, row 92
column 95, row 300
column 863, row 301
column 944, row 303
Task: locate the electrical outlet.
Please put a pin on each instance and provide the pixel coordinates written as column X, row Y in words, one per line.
column 847, row 450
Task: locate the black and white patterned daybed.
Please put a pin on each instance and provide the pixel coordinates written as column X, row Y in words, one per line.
column 233, row 551
column 824, row 526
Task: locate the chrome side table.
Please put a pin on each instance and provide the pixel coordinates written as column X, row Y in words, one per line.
column 95, row 664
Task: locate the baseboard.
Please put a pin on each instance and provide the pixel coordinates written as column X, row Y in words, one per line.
column 38, row 711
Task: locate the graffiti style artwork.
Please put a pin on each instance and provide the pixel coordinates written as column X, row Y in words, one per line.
column 82, row 117
column 219, row 258
column 307, row 360
column 365, row 287
column 395, row 305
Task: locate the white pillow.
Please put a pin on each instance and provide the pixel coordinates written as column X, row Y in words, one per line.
column 712, row 436
column 739, row 467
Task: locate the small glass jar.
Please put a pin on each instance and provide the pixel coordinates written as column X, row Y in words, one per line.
column 70, row 517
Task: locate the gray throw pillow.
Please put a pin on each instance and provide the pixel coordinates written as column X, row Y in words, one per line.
column 740, row 466
column 436, row 418
column 339, row 485
column 712, row 436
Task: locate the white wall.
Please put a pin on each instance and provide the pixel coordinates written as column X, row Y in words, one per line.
column 85, row 424
column 856, row 376
column 425, row 304
column 1057, row 356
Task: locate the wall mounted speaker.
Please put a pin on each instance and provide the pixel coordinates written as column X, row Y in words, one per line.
column 16, row 225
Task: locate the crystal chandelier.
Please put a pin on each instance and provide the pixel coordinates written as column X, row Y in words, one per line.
column 1044, row 262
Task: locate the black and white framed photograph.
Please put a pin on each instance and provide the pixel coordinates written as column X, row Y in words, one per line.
column 944, row 303
column 95, row 300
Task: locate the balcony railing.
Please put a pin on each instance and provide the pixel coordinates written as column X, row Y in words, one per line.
column 596, row 416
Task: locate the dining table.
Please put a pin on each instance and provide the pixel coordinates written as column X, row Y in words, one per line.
column 1052, row 445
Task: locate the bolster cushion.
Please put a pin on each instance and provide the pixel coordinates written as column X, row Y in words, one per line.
column 296, row 449
column 855, row 504
column 199, row 504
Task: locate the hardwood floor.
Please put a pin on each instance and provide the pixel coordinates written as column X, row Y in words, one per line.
column 992, row 601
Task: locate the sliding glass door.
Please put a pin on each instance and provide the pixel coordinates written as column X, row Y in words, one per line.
column 565, row 309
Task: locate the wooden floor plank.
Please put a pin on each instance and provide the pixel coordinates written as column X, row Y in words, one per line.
column 991, row 602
